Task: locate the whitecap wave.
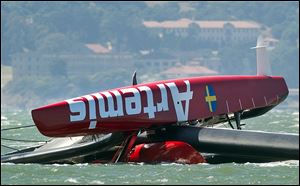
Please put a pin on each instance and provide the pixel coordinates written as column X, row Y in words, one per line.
column 289, row 163
column 170, row 164
column 97, row 182
column 210, row 177
column 164, row 180
column 81, row 164
column 59, row 165
column 3, row 118
column 71, row 180
column 7, row 164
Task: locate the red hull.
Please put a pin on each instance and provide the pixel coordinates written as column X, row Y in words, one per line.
column 158, row 103
column 168, row 151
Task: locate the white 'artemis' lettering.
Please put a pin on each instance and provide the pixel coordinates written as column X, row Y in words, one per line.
column 101, row 105
column 182, row 114
column 111, row 110
column 92, row 110
column 77, row 108
column 92, row 106
column 129, row 101
column 163, row 105
column 150, row 109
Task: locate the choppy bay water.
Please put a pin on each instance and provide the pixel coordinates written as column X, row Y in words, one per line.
column 279, row 173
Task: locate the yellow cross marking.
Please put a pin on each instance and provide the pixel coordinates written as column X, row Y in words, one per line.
column 209, row 98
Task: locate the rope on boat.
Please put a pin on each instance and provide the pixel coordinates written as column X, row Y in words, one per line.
column 9, row 147
column 9, row 139
column 18, row 127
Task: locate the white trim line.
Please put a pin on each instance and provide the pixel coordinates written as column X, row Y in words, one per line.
column 253, row 103
column 227, row 106
column 266, row 100
column 240, row 104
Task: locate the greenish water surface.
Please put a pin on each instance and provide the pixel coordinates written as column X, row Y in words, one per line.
column 279, row 173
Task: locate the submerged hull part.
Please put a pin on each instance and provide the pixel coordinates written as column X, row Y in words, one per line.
column 168, row 151
column 252, row 145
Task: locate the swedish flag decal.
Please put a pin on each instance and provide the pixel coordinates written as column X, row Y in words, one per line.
column 210, row 98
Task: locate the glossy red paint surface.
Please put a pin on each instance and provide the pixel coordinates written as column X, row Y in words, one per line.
column 168, row 151
column 232, row 93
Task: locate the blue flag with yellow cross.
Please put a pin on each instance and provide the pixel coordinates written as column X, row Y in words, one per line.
column 210, row 98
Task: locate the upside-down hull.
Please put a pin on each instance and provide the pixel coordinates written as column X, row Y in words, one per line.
column 160, row 103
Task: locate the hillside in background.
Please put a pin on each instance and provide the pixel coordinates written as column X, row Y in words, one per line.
column 39, row 30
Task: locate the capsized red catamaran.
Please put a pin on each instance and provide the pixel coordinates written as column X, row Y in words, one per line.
column 158, row 106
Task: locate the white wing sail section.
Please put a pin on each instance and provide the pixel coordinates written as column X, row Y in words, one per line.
column 262, row 57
